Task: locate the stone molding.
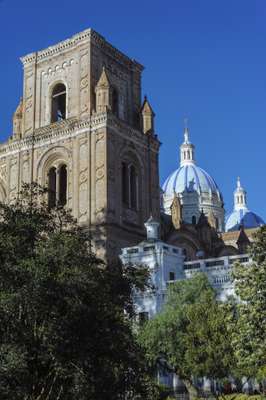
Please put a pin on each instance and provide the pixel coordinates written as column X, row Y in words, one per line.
column 86, row 36
column 73, row 127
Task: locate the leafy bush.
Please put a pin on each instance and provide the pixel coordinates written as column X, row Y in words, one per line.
column 242, row 396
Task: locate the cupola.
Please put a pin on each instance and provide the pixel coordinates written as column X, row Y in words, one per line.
column 240, row 196
column 186, row 150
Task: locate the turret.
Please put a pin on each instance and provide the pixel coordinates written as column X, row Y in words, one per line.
column 103, row 93
column 17, row 121
column 152, row 228
column 243, row 241
column 147, row 117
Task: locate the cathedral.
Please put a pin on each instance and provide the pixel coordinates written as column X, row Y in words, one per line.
column 83, row 130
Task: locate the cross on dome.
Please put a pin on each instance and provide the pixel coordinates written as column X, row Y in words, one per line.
column 238, row 184
column 186, row 133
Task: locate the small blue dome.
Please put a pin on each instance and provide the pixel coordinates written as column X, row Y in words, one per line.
column 243, row 217
column 190, row 177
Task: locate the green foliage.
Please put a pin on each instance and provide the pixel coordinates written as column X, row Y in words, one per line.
column 190, row 332
column 250, row 331
column 242, row 396
column 64, row 333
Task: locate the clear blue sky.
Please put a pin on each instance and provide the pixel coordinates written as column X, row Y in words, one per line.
column 205, row 59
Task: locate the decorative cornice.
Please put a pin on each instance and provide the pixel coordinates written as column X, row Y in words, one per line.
column 83, row 37
column 73, row 127
column 57, row 48
column 65, row 129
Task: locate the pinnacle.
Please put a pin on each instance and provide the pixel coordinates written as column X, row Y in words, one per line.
column 104, row 80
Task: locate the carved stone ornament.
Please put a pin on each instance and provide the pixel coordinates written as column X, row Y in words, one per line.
column 212, row 220
column 100, row 172
column 176, row 212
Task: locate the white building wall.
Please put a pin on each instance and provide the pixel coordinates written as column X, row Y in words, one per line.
column 166, row 265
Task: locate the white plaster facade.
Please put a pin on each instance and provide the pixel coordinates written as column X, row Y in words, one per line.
column 167, row 265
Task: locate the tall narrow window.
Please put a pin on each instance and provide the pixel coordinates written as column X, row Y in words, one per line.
column 62, row 185
column 129, row 185
column 58, row 103
column 133, row 187
column 194, row 220
column 52, row 187
column 125, row 186
column 115, row 102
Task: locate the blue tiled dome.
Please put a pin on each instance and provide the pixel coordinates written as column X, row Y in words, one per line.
column 195, row 188
column 190, row 177
column 243, row 217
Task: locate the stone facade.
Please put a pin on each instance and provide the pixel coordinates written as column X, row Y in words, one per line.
column 103, row 126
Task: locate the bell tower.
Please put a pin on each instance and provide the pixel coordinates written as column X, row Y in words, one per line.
column 82, row 129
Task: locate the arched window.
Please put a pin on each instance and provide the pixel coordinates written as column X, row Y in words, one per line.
column 57, row 186
column 115, row 102
column 129, row 185
column 52, row 187
column 62, row 198
column 194, row 220
column 58, row 110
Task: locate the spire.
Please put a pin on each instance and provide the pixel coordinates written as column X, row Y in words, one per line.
column 17, row 120
column 238, row 183
column 186, row 148
column 243, row 241
column 186, row 133
column 104, row 80
column 103, row 93
column 147, row 116
column 240, row 197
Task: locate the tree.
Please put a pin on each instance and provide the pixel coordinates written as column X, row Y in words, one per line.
column 250, row 331
column 190, row 333
column 66, row 317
